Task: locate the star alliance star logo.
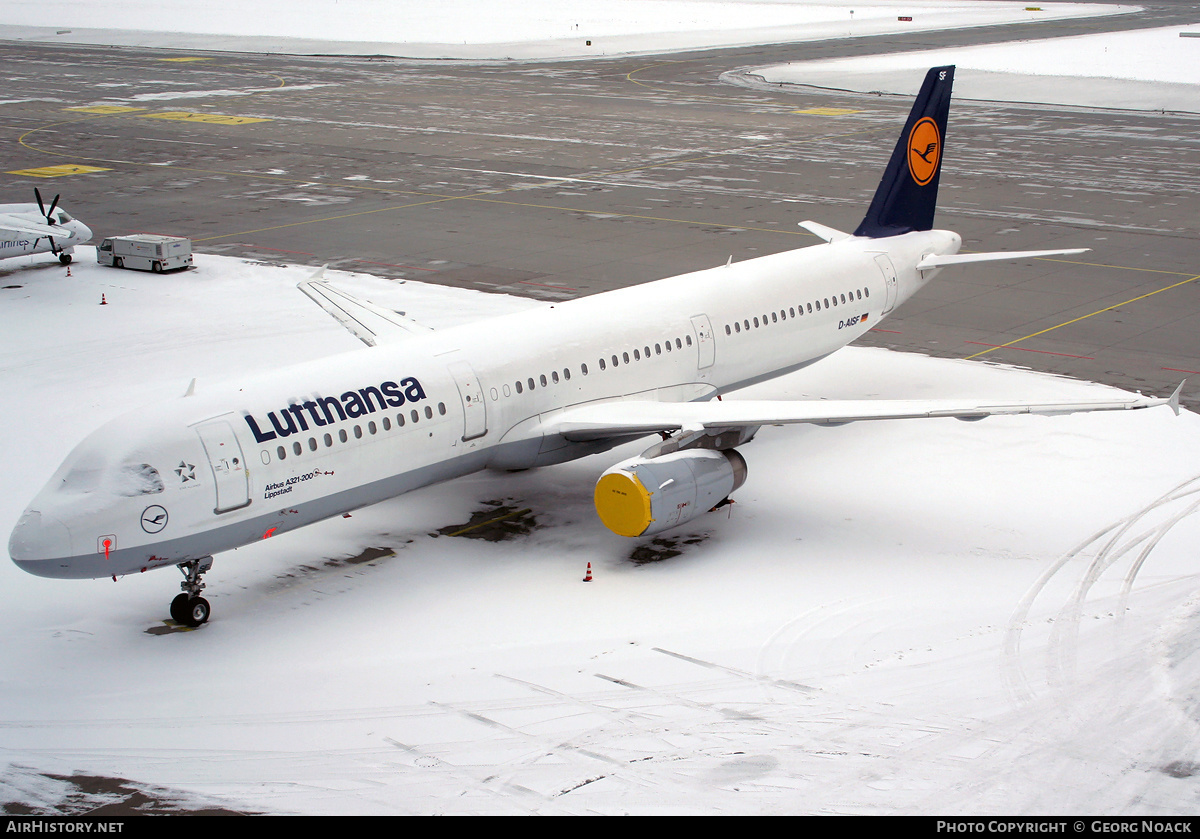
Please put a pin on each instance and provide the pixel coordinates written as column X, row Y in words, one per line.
column 186, row 471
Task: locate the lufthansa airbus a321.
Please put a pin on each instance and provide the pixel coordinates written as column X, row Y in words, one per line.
column 174, row 484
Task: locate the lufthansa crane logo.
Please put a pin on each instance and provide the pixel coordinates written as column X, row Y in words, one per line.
column 924, row 150
column 154, row 519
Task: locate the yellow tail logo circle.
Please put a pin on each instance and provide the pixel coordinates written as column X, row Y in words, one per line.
column 924, row 150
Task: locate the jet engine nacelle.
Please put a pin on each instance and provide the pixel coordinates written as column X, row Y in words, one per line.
column 641, row 495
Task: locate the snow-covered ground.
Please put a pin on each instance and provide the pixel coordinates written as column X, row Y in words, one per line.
column 1148, row 69
column 525, row 29
column 892, row 619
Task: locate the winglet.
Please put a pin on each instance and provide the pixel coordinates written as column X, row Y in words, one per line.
column 1173, row 400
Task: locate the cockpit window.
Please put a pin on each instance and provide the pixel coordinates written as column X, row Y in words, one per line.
column 139, row 479
column 63, row 218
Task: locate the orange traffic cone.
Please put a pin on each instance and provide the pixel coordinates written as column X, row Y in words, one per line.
column 588, row 578
column 103, row 302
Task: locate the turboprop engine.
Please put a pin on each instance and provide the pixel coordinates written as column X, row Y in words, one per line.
column 641, row 496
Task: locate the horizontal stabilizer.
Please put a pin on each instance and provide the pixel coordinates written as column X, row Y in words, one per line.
column 613, row 419
column 935, row 261
column 819, row 230
column 371, row 324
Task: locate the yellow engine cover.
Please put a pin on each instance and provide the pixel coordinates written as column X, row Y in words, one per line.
column 623, row 504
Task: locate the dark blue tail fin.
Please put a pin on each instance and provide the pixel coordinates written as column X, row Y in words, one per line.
column 907, row 195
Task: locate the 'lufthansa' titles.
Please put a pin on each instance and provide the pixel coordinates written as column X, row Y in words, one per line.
column 327, row 410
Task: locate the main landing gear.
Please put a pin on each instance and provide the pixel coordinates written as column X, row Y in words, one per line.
column 189, row 608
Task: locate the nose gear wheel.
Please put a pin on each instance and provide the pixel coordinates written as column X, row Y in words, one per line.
column 189, row 608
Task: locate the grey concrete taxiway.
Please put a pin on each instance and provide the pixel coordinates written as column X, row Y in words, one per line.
column 560, row 179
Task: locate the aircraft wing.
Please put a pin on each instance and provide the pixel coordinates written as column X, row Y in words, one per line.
column 8, row 221
column 613, row 419
column 371, row 324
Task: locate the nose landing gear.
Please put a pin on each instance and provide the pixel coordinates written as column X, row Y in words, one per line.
column 189, row 608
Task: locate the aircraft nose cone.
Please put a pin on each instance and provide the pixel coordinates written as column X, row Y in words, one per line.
column 36, row 539
column 85, row 233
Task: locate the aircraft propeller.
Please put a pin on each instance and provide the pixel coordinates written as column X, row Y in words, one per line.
column 49, row 214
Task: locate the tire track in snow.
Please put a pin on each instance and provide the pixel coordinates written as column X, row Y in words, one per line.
column 1115, row 543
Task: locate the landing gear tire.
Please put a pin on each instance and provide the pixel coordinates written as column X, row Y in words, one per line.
column 64, row 258
column 189, row 608
column 179, row 608
column 197, row 612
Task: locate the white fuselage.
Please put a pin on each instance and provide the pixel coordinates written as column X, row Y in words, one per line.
column 256, row 457
column 17, row 241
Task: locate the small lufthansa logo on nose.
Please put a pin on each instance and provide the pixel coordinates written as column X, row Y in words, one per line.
column 154, row 519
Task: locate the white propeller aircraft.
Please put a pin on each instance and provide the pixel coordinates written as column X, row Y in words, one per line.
column 173, row 484
column 31, row 228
